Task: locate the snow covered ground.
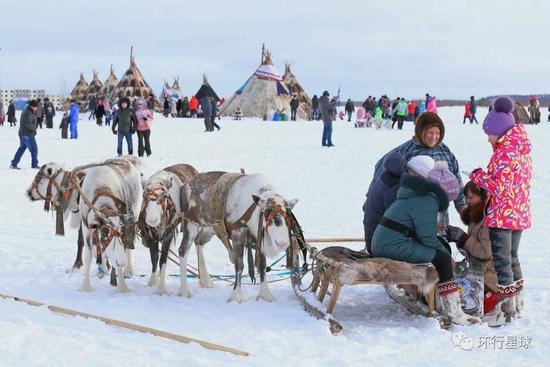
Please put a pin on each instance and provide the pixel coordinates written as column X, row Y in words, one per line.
column 330, row 184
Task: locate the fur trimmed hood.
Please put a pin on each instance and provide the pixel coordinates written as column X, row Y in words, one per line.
column 420, row 186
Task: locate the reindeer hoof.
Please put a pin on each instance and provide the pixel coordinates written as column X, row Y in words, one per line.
column 128, row 273
column 185, row 293
column 122, row 288
column 206, row 283
column 153, row 280
column 267, row 299
column 265, row 294
column 77, row 265
column 237, row 296
column 161, row 291
column 87, row 287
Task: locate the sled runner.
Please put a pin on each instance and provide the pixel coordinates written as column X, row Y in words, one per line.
column 335, row 267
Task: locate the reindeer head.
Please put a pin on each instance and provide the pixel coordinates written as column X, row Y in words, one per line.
column 157, row 203
column 106, row 231
column 45, row 185
column 276, row 222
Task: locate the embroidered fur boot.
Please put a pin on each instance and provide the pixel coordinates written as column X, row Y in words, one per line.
column 519, row 298
column 448, row 303
column 505, row 310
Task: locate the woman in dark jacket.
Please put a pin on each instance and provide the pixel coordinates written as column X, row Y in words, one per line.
column 408, row 232
column 11, row 114
column 382, row 195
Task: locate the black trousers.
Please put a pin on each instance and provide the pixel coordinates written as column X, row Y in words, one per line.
column 143, row 142
column 443, row 264
column 49, row 122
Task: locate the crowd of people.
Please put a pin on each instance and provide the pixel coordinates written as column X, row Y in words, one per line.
column 406, row 218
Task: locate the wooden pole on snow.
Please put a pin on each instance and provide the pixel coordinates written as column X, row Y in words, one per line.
column 129, row 326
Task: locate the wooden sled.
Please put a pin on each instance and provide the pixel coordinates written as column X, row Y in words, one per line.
column 335, row 267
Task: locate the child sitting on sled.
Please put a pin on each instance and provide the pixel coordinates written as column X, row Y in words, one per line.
column 476, row 241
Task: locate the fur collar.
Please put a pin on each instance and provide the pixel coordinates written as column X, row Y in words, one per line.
column 473, row 214
column 423, row 187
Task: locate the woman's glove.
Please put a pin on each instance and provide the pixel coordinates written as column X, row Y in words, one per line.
column 454, row 234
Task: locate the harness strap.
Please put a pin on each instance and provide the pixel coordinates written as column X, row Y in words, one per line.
column 241, row 222
column 398, row 227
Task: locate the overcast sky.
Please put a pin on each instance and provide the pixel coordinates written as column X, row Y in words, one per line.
column 451, row 49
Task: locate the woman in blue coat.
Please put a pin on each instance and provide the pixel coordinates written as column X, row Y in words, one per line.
column 408, row 232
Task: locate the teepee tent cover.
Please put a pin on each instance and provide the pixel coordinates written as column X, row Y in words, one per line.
column 133, row 85
column 263, row 92
column 304, row 109
column 79, row 90
column 172, row 93
column 93, row 90
column 206, row 90
column 110, row 84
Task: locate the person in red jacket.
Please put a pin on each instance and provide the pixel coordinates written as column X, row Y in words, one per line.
column 467, row 113
column 193, row 106
column 411, row 107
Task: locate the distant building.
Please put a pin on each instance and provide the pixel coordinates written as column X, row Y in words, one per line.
column 26, row 94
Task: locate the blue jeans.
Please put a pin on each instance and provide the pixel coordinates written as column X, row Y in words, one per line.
column 74, row 130
column 327, row 133
column 26, row 142
column 504, row 245
column 128, row 137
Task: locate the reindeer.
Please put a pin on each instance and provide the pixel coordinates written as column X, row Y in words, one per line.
column 111, row 197
column 55, row 186
column 245, row 208
column 160, row 215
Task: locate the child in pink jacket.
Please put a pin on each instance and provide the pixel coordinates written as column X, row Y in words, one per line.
column 508, row 213
column 144, row 121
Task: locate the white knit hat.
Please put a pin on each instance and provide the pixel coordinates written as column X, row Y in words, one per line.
column 421, row 164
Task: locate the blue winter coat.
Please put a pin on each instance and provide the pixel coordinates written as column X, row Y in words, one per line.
column 382, row 194
column 416, row 206
column 73, row 113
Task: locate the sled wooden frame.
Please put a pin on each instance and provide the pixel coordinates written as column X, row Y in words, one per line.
column 334, row 269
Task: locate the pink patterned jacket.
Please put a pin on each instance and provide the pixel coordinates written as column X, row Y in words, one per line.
column 508, row 181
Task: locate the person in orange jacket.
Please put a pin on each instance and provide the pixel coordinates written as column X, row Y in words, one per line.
column 193, row 106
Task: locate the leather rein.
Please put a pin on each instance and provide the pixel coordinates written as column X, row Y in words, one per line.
column 64, row 190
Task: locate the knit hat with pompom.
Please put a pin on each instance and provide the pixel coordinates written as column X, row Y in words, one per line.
column 441, row 175
column 500, row 119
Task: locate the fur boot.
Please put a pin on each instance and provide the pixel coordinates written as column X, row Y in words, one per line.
column 448, row 304
column 505, row 310
column 519, row 298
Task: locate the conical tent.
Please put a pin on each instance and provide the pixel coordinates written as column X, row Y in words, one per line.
column 264, row 92
column 109, row 85
column 133, row 85
column 304, row 109
column 206, row 90
column 93, row 90
column 176, row 84
column 172, row 93
column 79, row 91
